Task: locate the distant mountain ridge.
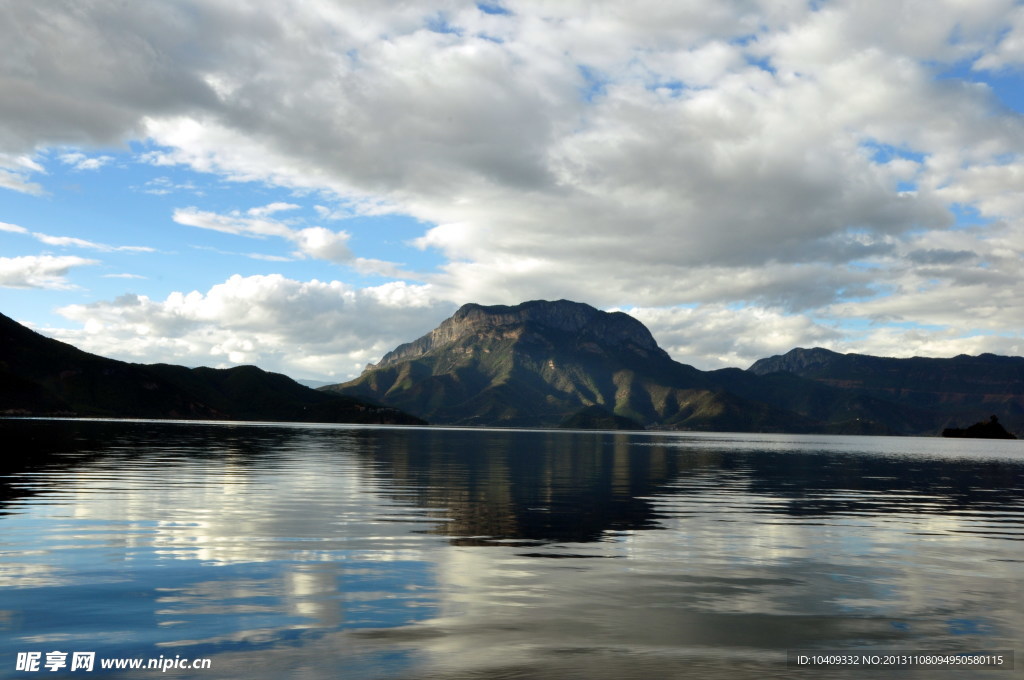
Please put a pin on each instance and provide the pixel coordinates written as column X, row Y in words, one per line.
column 40, row 376
column 538, row 364
column 964, row 388
column 543, row 363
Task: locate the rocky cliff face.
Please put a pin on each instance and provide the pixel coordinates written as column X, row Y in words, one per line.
column 605, row 329
column 536, row 363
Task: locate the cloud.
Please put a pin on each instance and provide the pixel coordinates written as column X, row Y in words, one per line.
column 39, row 271
column 722, row 336
column 15, row 170
column 739, row 167
column 322, row 244
column 113, row 66
column 162, row 186
column 123, row 276
column 310, row 242
column 70, row 241
column 1009, row 52
column 79, row 161
column 233, row 223
column 272, row 208
column 301, row 328
column 933, row 342
column 940, row 256
column 82, row 243
column 717, row 336
column 15, row 181
column 781, row 157
column 315, row 242
column 13, row 228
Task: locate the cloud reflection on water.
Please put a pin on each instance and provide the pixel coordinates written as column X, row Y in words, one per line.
column 305, row 548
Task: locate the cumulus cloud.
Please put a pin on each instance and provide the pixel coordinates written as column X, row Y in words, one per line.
column 95, row 88
column 773, row 157
column 322, row 244
column 721, row 336
column 1009, row 51
column 717, row 336
column 39, row 271
column 734, row 165
column 933, row 342
column 302, row 328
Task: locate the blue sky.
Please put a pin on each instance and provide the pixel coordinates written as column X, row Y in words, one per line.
column 129, row 205
column 304, row 186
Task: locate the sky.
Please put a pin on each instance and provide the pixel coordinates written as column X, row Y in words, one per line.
column 304, row 185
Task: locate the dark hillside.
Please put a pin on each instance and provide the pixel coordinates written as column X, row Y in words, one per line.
column 40, row 376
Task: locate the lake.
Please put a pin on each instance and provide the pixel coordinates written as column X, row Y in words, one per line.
column 298, row 551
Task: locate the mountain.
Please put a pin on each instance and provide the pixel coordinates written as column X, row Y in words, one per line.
column 537, row 364
column 961, row 389
column 41, row 376
column 540, row 362
column 547, row 364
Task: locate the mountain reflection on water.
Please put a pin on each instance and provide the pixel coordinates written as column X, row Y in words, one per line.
column 557, row 486
column 406, row 552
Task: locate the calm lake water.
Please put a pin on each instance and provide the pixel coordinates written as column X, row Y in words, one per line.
column 294, row 551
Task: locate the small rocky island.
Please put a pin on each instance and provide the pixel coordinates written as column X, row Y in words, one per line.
column 983, row 430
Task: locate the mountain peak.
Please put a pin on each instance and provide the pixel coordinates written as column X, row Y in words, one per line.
column 610, row 328
column 798, row 361
column 536, row 363
column 542, row 363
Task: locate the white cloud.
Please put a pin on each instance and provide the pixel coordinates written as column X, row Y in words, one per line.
column 162, row 186
column 39, row 271
column 322, row 244
column 302, row 328
column 15, row 181
column 717, row 336
column 267, row 258
column 15, row 170
column 233, row 223
column 82, row 243
column 1010, row 50
column 933, row 342
column 79, row 161
column 12, row 228
column 315, row 242
column 70, row 241
column 272, row 208
column 764, row 156
column 720, row 336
